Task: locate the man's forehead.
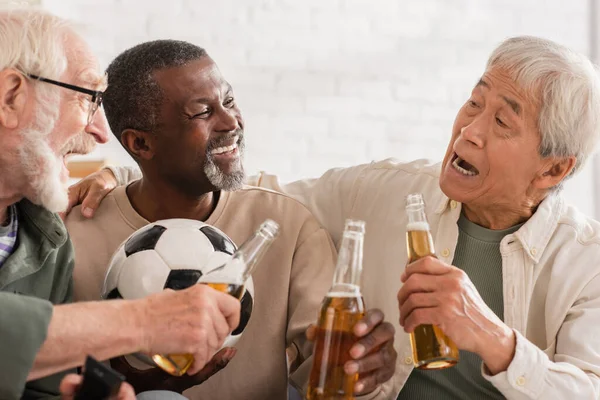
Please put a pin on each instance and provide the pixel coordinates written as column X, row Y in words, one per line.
column 513, row 94
column 83, row 67
column 196, row 75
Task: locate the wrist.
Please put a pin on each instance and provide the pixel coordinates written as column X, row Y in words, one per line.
column 136, row 312
column 498, row 352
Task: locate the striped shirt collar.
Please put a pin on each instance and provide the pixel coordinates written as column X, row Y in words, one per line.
column 8, row 235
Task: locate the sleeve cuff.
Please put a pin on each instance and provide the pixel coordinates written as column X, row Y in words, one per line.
column 524, row 375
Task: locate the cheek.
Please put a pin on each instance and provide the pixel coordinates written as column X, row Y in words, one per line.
column 514, row 167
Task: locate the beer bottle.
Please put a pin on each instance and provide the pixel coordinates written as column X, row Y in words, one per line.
column 341, row 309
column 228, row 278
column 431, row 348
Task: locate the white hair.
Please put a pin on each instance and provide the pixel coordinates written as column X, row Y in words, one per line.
column 567, row 88
column 33, row 42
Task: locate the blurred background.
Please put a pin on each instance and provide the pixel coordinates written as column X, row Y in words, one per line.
column 329, row 83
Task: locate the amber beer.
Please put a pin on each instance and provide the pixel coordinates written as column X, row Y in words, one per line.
column 342, row 308
column 431, row 348
column 178, row 364
column 228, row 278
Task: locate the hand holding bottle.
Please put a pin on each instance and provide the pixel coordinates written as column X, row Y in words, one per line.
column 373, row 355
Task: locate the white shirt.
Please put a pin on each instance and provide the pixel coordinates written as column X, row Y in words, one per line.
column 550, row 267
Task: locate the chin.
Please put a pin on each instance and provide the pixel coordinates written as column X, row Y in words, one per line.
column 454, row 191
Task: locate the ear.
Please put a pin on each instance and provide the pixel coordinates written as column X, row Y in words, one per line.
column 555, row 171
column 141, row 145
column 14, row 92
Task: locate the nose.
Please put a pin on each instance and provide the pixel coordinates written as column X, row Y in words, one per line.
column 474, row 132
column 98, row 127
column 228, row 121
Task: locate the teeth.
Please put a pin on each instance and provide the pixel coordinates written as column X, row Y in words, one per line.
column 461, row 169
column 221, row 150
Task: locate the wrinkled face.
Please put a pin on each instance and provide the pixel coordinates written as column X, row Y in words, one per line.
column 492, row 157
column 200, row 137
column 60, row 128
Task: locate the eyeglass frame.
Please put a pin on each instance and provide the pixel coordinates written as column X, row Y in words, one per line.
column 97, row 95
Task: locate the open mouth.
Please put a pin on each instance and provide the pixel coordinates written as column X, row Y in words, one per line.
column 463, row 166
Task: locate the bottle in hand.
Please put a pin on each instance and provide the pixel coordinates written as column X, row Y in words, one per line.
column 431, row 348
column 342, row 308
column 230, row 279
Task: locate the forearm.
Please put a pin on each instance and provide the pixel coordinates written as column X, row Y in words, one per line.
column 101, row 329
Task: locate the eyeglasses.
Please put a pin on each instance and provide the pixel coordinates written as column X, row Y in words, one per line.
column 97, row 95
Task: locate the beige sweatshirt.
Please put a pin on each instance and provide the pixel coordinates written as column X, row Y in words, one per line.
column 289, row 283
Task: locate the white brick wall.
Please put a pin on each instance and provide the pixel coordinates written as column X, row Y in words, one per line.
column 326, row 83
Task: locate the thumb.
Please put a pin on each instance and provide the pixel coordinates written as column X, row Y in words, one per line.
column 68, row 386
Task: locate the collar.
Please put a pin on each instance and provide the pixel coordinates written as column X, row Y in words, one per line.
column 47, row 224
column 535, row 233
column 444, row 203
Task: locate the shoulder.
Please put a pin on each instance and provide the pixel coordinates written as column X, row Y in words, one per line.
column 107, row 218
column 422, row 170
column 260, row 203
column 584, row 229
column 276, row 201
column 392, row 172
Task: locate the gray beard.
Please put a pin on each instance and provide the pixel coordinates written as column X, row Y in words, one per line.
column 222, row 181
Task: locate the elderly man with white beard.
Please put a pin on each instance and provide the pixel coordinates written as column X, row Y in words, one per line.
column 517, row 282
column 50, row 102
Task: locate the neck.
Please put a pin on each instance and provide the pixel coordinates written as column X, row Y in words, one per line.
column 498, row 217
column 158, row 201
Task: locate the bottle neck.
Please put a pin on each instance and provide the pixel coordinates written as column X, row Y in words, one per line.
column 348, row 270
column 252, row 251
column 418, row 234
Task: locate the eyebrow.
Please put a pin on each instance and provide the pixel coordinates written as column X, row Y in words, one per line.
column 93, row 79
column 515, row 106
column 482, row 83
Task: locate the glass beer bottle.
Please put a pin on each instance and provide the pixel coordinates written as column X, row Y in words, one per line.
column 431, row 348
column 342, row 308
column 228, row 278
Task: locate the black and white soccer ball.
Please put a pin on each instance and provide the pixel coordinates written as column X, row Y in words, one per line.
column 172, row 254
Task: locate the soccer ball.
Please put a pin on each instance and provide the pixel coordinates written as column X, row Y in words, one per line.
column 172, row 254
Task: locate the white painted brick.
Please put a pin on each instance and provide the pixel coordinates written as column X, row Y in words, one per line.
column 283, row 58
column 367, row 89
column 334, row 106
column 333, row 20
column 270, row 103
column 276, row 17
column 306, row 83
column 357, row 127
